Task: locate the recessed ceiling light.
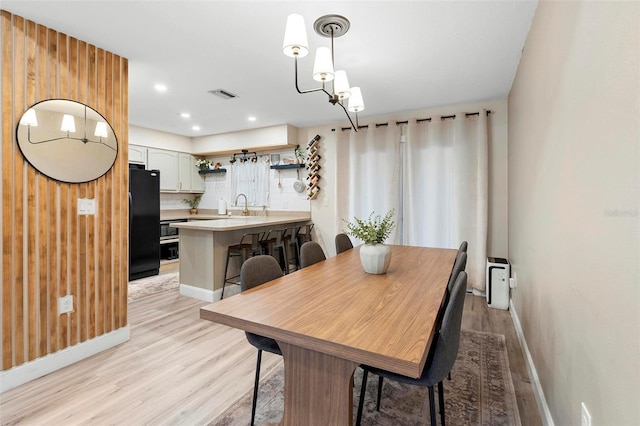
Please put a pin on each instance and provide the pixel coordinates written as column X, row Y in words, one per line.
column 196, row 128
column 160, row 87
column 252, row 118
column 185, row 115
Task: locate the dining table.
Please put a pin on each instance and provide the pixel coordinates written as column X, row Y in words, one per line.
column 330, row 317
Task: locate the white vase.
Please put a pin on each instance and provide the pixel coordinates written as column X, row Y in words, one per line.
column 375, row 258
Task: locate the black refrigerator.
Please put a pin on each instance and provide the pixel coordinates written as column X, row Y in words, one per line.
column 144, row 223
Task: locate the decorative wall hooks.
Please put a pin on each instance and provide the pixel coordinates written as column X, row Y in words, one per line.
column 313, row 168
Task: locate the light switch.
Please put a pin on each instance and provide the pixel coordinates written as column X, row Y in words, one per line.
column 91, row 206
column 82, row 206
column 86, row 206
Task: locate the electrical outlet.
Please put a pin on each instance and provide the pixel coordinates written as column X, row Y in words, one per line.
column 585, row 416
column 65, row 304
column 513, row 281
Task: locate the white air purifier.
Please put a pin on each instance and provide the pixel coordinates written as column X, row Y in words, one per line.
column 498, row 273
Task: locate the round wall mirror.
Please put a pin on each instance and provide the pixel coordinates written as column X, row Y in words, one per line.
column 67, row 141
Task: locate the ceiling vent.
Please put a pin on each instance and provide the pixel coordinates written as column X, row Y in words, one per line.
column 224, row 94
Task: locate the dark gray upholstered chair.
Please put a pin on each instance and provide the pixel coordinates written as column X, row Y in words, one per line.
column 463, row 246
column 255, row 271
column 442, row 355
column 458, row 266
column 343, row 243
column 311, row 253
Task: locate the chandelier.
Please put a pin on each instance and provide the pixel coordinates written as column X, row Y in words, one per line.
column 295, row 45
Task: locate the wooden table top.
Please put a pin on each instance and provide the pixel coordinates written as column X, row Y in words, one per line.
column 334, row 307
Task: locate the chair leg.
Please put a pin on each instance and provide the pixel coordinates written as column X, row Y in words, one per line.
column 224, row 283
column 432, row 406
column 255, row 387
column 365, row 373
column 441, row 401
column 380, row 379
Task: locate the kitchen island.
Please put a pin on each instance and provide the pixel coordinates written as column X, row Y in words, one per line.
column 203, row 249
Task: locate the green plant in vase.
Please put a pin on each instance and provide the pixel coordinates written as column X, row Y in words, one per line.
column 374, row 255
column 203, row 164
column 193, row 203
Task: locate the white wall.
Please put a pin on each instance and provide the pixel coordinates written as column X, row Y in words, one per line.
column 157, row 139
column 574, row 234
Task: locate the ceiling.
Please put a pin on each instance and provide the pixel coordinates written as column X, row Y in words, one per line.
column 404, row 55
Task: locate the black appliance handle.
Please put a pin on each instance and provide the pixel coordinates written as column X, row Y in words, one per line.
column 130, row 210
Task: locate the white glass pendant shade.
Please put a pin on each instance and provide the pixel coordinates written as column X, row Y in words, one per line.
column 29, row 118
column 68, row 124
column 295, row 37
column 356, row 104
column 341, row 84
column 101, row 129
column 323, row 65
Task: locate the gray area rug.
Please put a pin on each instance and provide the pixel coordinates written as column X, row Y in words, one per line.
column 152, row 285
column 480, row 392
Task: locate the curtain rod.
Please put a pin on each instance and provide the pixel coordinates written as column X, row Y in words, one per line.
column 418, row 120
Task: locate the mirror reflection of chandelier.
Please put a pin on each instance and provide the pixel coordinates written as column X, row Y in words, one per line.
column 68, row 126
column 295, row 45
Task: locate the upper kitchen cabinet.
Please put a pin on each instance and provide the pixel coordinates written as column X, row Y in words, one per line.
column 138, row 154
column 263, row 139
column 188, row 177
column 176, row 170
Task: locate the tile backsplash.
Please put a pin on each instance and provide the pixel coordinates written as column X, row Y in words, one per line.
column 282, row 195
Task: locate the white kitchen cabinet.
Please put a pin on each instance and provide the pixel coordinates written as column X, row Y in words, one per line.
column 188, row 178
column 138, row 154
column 197, row 180
column 178, row 171
column 167, row 162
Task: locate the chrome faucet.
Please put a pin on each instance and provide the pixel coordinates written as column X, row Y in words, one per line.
column 245, row 211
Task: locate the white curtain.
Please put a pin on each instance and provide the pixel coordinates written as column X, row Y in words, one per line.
column 251, row 179
column 368, row 174
column 446, row 187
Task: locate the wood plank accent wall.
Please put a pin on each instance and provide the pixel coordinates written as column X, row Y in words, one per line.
column 48, row 250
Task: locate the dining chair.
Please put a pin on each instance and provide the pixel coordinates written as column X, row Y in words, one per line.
column 441, row 358
column 463, row 246
column 343, row 243
column 311, row 253
column 459, row 265
column 254, row 272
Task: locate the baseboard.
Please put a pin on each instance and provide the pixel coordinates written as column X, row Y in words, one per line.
column 199, row 293
column 32, row 370
column 208, row 295
column 543, row 408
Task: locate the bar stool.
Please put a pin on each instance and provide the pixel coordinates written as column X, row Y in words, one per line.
column 248, row 246
column 291, row 247
column 305, row 236
column 272, row 245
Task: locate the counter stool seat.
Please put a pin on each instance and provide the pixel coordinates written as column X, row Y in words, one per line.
column 248, row 247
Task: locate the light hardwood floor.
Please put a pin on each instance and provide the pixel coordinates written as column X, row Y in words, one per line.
column 178, row 369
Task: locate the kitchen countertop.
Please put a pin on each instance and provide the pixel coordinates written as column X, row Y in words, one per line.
column 224, row 223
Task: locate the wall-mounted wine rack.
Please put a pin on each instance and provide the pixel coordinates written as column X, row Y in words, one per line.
column 313, row 168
